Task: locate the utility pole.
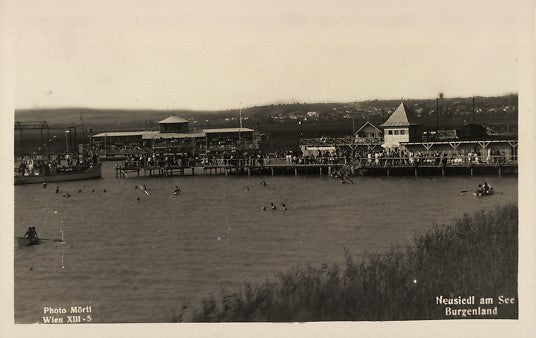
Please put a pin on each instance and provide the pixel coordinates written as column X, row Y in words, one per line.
column 437, row 113
column 473, row 109
column 240, row 129
column 67, row 141
column 83, row 129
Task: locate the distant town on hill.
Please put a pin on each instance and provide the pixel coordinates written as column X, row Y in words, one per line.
column 285, row 123
column 451, row 110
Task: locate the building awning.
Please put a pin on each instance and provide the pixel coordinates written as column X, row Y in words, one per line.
column 391, row 145
column 158, row 135
column 227, row 130
column 121, row 134
column 330, row 149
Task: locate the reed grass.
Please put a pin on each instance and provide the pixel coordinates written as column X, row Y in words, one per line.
column 477, row 255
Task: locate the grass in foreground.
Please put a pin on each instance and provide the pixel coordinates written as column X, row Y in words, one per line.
column 475, row 256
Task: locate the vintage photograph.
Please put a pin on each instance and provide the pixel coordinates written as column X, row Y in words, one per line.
column 237, row 161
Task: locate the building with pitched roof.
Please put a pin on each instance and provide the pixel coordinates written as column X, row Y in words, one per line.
column 402, row 126
column 368, row 131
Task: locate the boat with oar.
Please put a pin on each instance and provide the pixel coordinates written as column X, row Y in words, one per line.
column 23, row 241
column 484, row 191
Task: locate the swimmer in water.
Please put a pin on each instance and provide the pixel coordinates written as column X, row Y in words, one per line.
column 44, row 185
column 138, row 200
column 246, row 188
column 79, row 191
column 104, row 190
column 57, row 190
column 93, row 190
column 273, row 206
column 177, row 191
column 263, row 208
column 67, row 195
column 283, row 206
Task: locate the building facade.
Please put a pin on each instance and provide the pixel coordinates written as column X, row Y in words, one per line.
column 401, row 127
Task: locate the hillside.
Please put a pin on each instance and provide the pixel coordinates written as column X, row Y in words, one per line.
column 284, row 123
column 500, row 109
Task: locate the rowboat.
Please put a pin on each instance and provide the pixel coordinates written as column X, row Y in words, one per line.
column 23, row 241
column 483, row 193
column 75, row 173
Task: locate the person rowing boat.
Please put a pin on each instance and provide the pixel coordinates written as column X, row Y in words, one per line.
column 31, row 235
column 483, row 190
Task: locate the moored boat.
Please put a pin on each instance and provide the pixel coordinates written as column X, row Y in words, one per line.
column 74, row 173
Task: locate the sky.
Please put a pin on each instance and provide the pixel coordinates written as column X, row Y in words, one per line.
column 212, row 55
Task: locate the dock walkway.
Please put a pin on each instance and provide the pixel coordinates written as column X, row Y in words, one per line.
column 429, row 166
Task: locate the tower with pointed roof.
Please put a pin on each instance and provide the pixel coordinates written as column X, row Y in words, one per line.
column 402, row 126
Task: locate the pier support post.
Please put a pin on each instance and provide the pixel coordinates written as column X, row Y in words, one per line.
column 272, row 171
column 471, row 171
column 500, row 171
column 320, row 171
column 249, row 171
column 193, row 171
column 415, row 172
column 329, row 171
column 295, row 171
column 442, row 171
column 387, row 172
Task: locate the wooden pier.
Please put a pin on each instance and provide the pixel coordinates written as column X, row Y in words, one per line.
column 337, row 167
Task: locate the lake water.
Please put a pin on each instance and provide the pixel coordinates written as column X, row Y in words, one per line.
column 138, row 261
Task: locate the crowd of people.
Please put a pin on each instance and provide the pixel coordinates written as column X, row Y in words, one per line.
column 376, row 157
column 45, row 165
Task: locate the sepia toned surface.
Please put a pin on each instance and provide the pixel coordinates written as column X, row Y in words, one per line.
column 451, row 47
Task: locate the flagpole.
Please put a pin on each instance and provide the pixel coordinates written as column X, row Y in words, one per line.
column 240, row 129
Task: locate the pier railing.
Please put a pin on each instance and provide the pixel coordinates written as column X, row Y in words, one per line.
column 335, row 166
column 388, row 161
column 454, row 161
